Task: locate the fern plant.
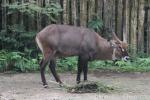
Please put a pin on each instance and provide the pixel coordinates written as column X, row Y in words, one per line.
column 95, row 23
column 17, row 62
column 143, row 61
column 67, row 64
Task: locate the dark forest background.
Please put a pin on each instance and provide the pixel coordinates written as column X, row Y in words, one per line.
column 20, row 20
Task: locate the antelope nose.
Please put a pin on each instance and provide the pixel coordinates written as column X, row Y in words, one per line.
column 126, row 58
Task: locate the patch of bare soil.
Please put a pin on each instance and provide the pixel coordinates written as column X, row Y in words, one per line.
column 27, row 86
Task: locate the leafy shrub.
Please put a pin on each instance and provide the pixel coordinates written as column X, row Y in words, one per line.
column 17, row 39
column 143, row 61
column 17, row 62
column 67, row 64
column 95, row 23
column 133, row 65
column 122, row 63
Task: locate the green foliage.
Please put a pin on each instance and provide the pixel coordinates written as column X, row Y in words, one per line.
column 134, row 65
column 17, row 62
column 67, row 64
column 17, row 39
column 52, row 10
column 97, row 64
column 122, row 63
column 143, row 61
column 95, row 23
column 26, row 65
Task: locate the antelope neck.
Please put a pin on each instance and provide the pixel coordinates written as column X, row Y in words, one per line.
column 114, row 51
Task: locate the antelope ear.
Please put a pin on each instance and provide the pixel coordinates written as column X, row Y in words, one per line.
column 125, row 45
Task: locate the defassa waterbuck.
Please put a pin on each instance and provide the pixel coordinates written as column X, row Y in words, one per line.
column 64, row 41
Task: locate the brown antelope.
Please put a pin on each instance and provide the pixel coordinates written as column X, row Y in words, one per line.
column 64, row 41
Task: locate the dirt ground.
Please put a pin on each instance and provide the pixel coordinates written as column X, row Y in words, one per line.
column 27, row 86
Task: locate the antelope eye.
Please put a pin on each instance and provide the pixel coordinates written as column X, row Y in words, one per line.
column 121, row 49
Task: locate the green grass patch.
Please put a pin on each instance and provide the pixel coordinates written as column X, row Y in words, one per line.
column 90, row 87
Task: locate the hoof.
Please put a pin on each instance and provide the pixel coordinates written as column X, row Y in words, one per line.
column 61, row 84
column 45, row 86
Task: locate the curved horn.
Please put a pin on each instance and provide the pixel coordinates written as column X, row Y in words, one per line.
column 124, row 44
column 115, row 37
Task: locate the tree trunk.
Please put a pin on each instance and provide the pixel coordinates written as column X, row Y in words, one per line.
column 83, row 13
column 4, row 15
column 74, row 12
column 108, row 14
column 133, row 25
column 140, row 23
column 26, row 20
column 118, row 19
column 1, row 15
column 70, row 12
column 148, row 28
column 91, row 9
column 124, row 20
column 78, row 12
column 65, row 11
column 100, row 9
column 38, row 17
column 61, row 14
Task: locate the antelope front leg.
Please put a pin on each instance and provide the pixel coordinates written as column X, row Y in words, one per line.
column 85, row 70
column 80, row 68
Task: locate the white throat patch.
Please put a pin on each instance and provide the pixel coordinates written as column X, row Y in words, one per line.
column 113, row 55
